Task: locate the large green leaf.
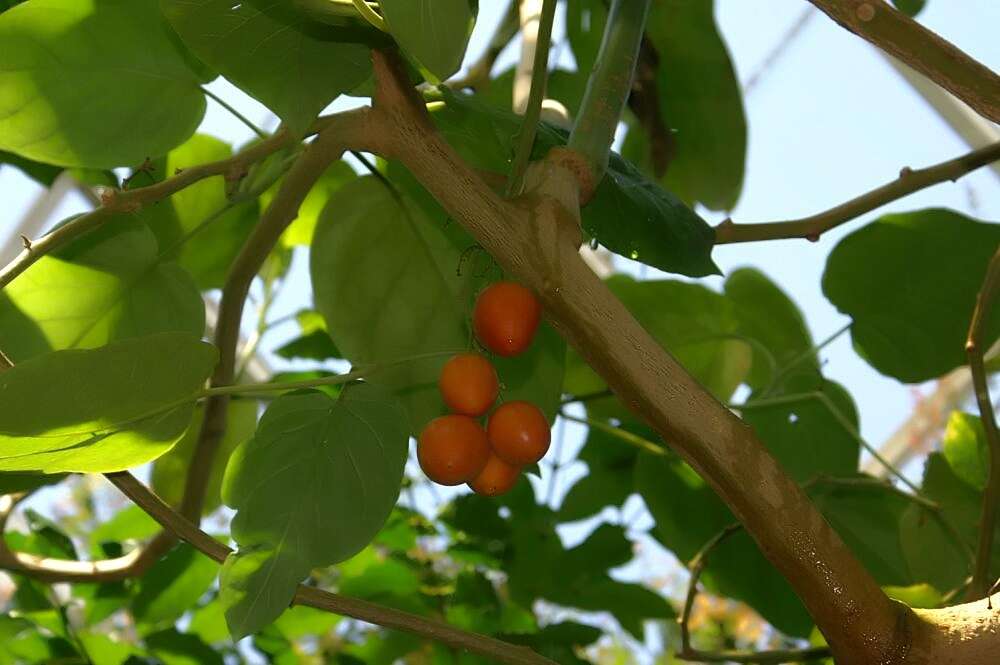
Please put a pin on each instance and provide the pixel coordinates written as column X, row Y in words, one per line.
column 103, row 409
column 628, row 214
column 173, row 585
column 174, row 648
column 778, row 330
column 701, row 104
column 384, row 278
column 312, row 488
column 939, row 547
column 300, row 231
column 107, row 285
column 698, row 326
column 170, row 471
column 811, row 433
column 292, row 65
column 77, row 77
column 964, row 446
column 910, row 281
column 198, row 226
column 432, row 32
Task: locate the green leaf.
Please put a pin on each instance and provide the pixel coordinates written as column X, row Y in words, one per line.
column 131, row 523
column 174, row 648
column 916, row 595
column 209, row 623
column 312, row 488
column 688, row 514
column 291, row 64
column 103, row 650
column 610, row 463
column 110, row 284
column 910, row 7
column 173, row 585
column 104, row 409
column 911, row 323
column 77, row 77
column 559, row 641
column 930, row 547
column 384, row 279
column 432, row 32
column 769, row 317
column 198, row 226
column 16, row 482
column 696, row 325
column 812, row 432
column 300, row 621
column 170, row 470
column 964, row 446
column 701, row 104
column 314, row 343
column 634, row 217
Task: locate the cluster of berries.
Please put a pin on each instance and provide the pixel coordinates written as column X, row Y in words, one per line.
column 456, row 449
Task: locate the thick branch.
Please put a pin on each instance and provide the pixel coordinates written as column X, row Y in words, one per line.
column 130, row 201
column 899, row 35
column 975, row 347
column 813, row 227
column 536, row 242
column 184, row 529
column 349, row 130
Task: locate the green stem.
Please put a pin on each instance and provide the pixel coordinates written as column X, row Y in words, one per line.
column 529, row 125
column 610, row 84
column 239, row 116
column 370, row 15
column 623, row 435
column 805, row 355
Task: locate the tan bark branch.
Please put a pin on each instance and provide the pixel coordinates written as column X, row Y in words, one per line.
column 535, row 240
column 975, row 346
column 899, row 35
column 812, row 227
column 344, row 131
column 129, row 201
column 186, row 530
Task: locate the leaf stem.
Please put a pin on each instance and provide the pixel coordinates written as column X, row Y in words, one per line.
column 370, row 15
column 239, row 116
column 609, row 85
column 974, row 348
column 525, row 138
column 618, row 433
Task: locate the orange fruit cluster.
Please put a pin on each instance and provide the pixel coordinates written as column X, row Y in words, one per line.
column 455, row 448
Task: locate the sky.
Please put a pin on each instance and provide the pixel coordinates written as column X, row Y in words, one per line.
column 828, row 120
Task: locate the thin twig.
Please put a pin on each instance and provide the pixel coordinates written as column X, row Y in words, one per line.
column 115, row 202
column 341, row 132
column 184, row 529
column 618, row 433
column 239, row 116
column 975, row 346
column 805, row 355
column 696, row 566
column 525, row 138
column 478, row 76
column 811, row 228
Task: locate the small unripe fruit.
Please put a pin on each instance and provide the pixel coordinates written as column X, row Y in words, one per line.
column 452, row 450
column 506, row 317
column 469, row 384
column 496, row 478
column 518, row 433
